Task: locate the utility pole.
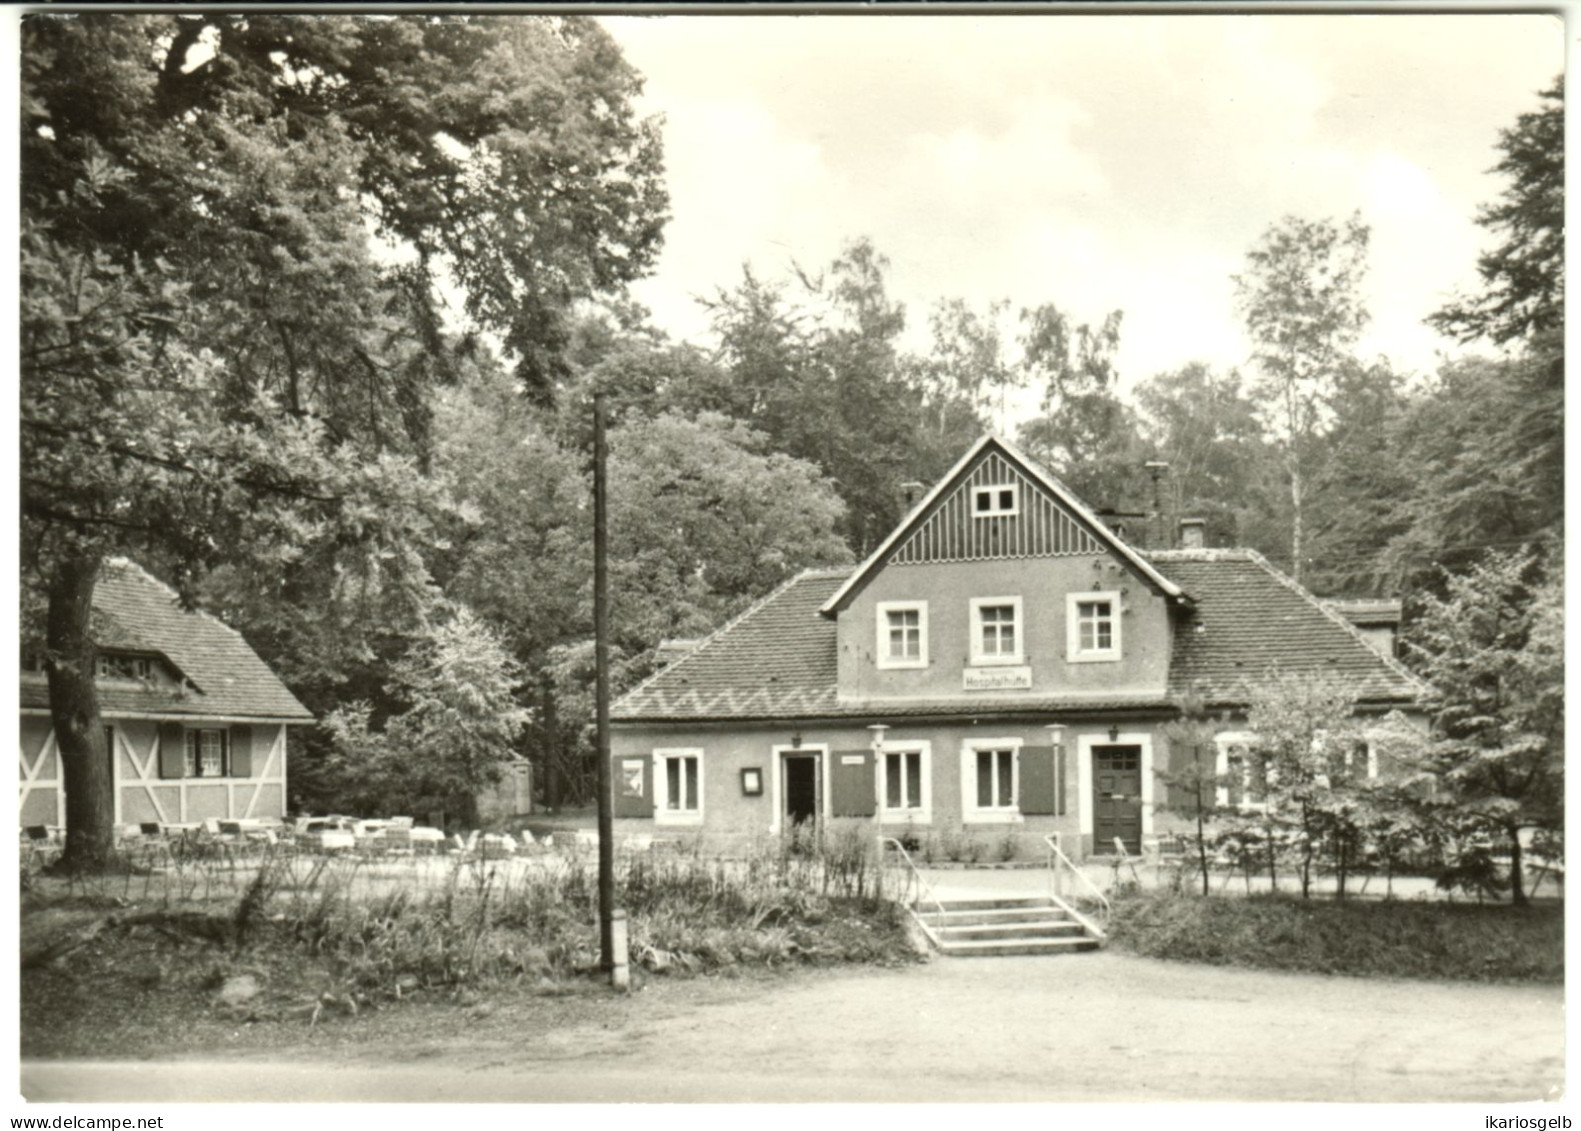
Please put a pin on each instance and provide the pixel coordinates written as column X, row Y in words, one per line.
column 606, row 822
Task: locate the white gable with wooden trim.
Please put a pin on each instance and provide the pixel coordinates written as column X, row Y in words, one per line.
column 996, row 511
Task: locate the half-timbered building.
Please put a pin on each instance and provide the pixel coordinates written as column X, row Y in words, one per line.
column 195, row 722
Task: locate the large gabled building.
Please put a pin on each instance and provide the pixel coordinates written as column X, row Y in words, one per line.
column 1004, row 661
column 196, row 722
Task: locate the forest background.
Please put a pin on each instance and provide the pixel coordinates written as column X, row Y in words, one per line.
column 311, row 327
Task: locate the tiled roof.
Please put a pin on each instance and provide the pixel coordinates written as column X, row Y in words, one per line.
column 1250, row 620
column 778, row 659
column 133, row 611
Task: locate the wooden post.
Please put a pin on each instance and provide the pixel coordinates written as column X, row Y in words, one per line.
column 606, row 823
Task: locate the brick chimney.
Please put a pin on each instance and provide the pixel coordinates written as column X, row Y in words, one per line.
column 1191, row 533
column 1157, row 536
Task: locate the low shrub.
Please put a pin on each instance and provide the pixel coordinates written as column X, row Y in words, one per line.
column 1441, row 941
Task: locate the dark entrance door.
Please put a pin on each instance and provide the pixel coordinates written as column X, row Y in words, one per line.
column 1116, row 797
column 801, row 788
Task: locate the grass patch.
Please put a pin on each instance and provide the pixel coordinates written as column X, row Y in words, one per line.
column 1386, row 939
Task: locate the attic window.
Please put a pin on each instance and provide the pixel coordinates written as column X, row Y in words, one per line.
column 113, row 665
column 996, row 500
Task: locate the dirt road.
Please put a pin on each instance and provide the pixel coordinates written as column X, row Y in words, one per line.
column 1091, row 1027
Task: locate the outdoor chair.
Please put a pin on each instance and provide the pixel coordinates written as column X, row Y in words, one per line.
column 1123, row 858
column 41, row 848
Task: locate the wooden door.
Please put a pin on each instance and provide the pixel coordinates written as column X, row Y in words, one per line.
column 1116, row 797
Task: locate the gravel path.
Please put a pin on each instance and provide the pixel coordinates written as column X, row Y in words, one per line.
column 1099, row 1026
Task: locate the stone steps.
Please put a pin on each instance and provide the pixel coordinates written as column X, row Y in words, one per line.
column 976, row 928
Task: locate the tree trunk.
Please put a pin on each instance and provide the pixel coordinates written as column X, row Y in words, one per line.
column 1342, row 861
column 1202, row 843
column 74, row 712
column 552, row 770
column 1294, row 466
column 1517, row 880
column 1306, row 853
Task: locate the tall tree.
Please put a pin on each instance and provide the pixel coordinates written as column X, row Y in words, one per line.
column 1492, row 649
column 1521, row 437
column 1524, row 299
column 215, row 367
column 1084, row 432
column 1300, row 299
column 814, row 365
column 1359, row 478
column 1203, row 424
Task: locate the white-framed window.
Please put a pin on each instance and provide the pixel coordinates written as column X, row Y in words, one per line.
column 678, row 786
column 902, row 634
column 990, row 780
column 996, row 500
column 996, row 630
column 1362, row 754
column 905, row 782
column 206, row 753
column 1092, row 627
column 1242, row 783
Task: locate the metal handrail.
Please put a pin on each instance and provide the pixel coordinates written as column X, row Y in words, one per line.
column 923, row 886
column 1056, row 858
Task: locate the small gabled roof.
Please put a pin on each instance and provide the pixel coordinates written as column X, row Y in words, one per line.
column 1100, row 531
column 1251, row 619
column 1369, row 611
column 135, row 612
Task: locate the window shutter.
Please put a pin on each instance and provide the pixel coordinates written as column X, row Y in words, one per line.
column 627, row 802
column 854, row 784
column 1038, row 784
column 172, row 750
column 241, row 743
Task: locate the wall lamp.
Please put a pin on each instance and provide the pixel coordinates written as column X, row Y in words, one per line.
column 878, row 730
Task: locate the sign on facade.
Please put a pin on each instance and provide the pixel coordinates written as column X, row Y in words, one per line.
column 997, row 679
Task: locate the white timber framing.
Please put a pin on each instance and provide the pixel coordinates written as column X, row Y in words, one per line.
column 31, row 779
column 145, row 775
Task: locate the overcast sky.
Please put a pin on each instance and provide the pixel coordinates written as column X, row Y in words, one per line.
column 1096, row 162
